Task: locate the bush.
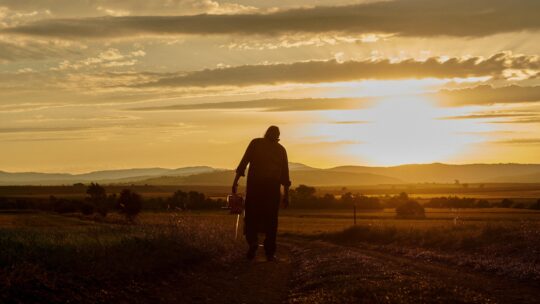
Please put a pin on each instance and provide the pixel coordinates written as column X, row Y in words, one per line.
column 129, row 203
column 98, row 197
column 410, row 209
column 397, row 200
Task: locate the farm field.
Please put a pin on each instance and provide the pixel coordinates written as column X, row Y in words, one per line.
column 193, row 257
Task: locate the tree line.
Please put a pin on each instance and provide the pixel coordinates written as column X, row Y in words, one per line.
column 130, row 203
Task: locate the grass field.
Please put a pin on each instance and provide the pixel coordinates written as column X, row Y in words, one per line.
column 47, row 257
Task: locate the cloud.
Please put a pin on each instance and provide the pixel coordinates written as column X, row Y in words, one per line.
column 486, row 95
column 36, row 49
column 299, row 40
column 526, row 120
column 462, row 18
column 10, row 18
column 268, row 105
column 489, row 115
column 109, row 58
column 86, row 8
column 334, row 71
column 520, row 141
column 42, row 129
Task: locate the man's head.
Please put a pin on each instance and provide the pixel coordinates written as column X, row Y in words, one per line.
column 272, row 133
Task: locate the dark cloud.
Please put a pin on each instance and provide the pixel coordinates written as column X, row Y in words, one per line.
column 463, row 18
column 334, row 71
column 486, row 95
column 269, row 105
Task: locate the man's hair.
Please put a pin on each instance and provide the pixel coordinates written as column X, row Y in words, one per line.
column 272, row 133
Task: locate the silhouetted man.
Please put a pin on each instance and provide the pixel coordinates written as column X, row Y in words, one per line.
column 268, row 170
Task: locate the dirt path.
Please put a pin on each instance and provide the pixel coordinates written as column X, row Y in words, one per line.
column 330, row 273
column 321, row 272
column 241, row 281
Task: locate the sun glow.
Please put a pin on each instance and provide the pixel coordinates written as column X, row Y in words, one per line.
column 399, row 130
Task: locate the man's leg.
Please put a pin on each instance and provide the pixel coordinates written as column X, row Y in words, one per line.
column 270, row 238
column 251, row 238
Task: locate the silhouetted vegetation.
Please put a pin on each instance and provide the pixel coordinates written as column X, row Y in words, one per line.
column 62, row 205
column 192, row 200
column 305, row 197
column 98, row 197
column 129, row 204
column 410, row 209
column 506, row 203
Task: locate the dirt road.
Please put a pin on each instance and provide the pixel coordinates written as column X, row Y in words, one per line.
column 321, row 272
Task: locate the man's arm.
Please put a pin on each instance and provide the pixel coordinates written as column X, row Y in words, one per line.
column 241, row 169
column 235, row 183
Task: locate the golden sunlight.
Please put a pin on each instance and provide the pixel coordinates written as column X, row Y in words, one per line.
column 400, row 130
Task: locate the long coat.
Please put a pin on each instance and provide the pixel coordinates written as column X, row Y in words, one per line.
column 268, row 170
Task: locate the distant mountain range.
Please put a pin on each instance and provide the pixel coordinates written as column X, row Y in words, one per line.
column 300, row 174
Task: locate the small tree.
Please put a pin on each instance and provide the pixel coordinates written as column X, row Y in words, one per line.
column 130, row 204
column 98, row 197
column 178, row 200
column 303, row 196
column 398, row 200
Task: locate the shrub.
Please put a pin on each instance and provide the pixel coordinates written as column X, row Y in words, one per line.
column 98, row 197
column 129, row 203
column 178, row 200
column 410, row 209
column 397, row 200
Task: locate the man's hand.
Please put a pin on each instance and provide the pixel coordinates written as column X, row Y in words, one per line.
column 234, row 188
column 285, row 202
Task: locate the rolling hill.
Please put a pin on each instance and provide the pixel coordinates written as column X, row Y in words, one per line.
column 300, row 174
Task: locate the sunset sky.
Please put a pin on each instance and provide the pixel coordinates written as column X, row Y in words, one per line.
column 92, row 84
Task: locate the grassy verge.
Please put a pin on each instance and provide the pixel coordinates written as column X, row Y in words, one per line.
column 504, row 248
column 102, row 262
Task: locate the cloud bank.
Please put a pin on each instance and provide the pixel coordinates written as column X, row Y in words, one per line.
column 487, row 95
column 334, row 71
column 426, row 18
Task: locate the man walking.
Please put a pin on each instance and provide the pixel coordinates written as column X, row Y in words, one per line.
column 268, row 170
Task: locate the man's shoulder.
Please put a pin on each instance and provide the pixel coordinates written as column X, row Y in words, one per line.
column 257, row 140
